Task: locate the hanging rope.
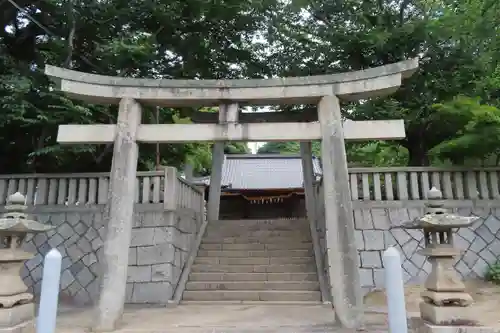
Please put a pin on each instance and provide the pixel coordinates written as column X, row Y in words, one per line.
column 268, row 199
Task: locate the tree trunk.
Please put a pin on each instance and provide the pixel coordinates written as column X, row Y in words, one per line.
column 417, row 149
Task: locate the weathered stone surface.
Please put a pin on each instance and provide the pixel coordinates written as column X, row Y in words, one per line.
column 165, row 272
column 10, row 317
column 155, row 254
column 371, row 259
column 132, row 256
column 360, row 84
column 401, row 236
column 366, row 277
column 363, row 219
column 142, row 237
column 139, row 273
column 152, row 292
column 444, row 315
column 398, row 215
column 360, row 242
column 492, row 223
column 379, row 278
column 374, row 239
column 380, row 219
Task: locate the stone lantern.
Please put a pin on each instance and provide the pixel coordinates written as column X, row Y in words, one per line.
column 17, row 310
column 445, row 299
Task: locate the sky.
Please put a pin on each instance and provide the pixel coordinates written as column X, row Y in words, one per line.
column 254, row 146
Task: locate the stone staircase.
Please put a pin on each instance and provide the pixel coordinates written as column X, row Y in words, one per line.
column 254, row 261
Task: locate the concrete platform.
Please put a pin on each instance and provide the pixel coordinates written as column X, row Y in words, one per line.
column 212, row 318
column 428, row 328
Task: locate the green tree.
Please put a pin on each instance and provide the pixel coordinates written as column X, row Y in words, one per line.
column 179, row 39
column 456, row 42
column 236, row 148
column 478, row 135
column 290, row 147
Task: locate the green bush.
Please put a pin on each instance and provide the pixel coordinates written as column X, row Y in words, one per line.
column 493, row 273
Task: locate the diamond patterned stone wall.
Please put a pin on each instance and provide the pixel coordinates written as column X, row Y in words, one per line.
column 78, row 236
column 480, row 243
column 158, row 251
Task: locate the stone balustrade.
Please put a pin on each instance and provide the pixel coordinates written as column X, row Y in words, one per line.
column 412, row 183
column 366, row 184
column 92, row 188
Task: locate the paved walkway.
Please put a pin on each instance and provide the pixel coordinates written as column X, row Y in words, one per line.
column 221, row 319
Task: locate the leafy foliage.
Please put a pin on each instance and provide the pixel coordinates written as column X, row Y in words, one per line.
column 493, row 273
column 159, row 39
column 477, row 130
column 377, row 154
column 457, row 44
column 450, row 106
column 287, row 148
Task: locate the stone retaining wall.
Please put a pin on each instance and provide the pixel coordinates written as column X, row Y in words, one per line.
column 480, row 242
column 159, row 246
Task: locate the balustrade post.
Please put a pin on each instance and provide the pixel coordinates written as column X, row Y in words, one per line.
column 170, row 190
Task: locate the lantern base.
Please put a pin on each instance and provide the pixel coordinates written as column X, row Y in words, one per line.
column 444, row 299
column 26, row 327
column 18, row 319
column 447, row 315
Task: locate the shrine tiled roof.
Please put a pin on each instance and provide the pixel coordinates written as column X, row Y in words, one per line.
column 263, row 171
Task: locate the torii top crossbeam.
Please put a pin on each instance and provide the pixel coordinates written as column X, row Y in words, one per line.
column 293, row 90
column 351, row 86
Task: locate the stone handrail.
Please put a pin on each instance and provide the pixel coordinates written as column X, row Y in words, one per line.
column 189, row 196
column 92, row 188
column 412, row 183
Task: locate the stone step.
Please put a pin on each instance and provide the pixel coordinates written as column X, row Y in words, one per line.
column 275, row 268
column 253, row 285
column 266, row 303
column 259, row 221
column 288, row 246
column 239, row 227
column 251, row 295
column 256, row 233
column 261, row 253
column 253, row 260
column 215, row 276
column 244, row 239
column 244, row 230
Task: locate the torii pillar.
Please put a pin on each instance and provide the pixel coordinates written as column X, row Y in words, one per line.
column 340, row 233
column 120, row 211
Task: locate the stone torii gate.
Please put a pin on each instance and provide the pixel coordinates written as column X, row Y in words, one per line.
column 326, row 125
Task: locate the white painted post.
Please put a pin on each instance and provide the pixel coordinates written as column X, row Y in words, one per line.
column 394, row 289
column 47, row 311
